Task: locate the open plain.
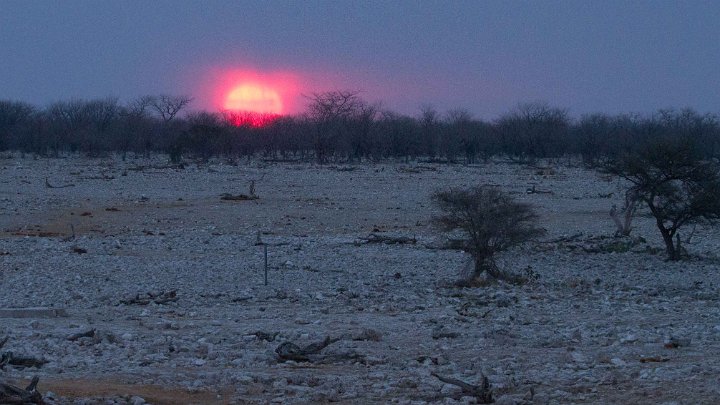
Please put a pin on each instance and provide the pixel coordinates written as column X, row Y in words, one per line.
column 152, row 287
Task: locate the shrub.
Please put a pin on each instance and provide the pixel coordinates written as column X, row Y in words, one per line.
column 491, row 222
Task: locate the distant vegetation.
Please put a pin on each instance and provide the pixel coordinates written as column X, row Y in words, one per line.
column 339, row 126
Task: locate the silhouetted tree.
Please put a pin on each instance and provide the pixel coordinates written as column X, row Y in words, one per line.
column 534, row 130
column 15, row 118
column 429, row 122
column 168, row 106
column 670, row 177
column 331, row 111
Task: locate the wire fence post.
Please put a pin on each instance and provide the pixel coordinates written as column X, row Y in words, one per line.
column 266, row 263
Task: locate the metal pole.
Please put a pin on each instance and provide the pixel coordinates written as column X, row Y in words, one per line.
column 266, row 264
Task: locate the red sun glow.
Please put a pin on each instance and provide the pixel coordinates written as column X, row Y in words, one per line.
column 250, row 97
column 254, row 98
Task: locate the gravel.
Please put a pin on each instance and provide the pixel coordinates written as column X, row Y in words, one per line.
column 610, row 327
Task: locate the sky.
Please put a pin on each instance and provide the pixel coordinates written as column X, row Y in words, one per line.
column 482, row 56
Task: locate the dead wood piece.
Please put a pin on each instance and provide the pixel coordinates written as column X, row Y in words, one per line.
column 482, row 392
column 533, row 190
column 11, row 395
column 25, row 361
column 389, row 240
column 338, row 358
column 444, row 334
column 8, row 358
column 165, row 297
column 239, row 197
column 571, row 238
column 266, row 336
column 654, row 359
column 158, row 298
column 89, row 333
column 371, row 335
column 313, row 348
column 3, row 341
column 48, row 185
column 466, row 310
column 290, row 351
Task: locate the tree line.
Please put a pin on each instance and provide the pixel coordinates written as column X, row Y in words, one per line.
column 339, row 126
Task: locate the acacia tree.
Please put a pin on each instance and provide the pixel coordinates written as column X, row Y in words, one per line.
column 330, row 112
column 168, row 106
column 671, row 179
column 491, row 221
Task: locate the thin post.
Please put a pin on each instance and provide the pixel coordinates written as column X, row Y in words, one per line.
column 266, row 264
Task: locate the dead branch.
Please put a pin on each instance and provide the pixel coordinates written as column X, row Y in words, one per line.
column 624, row 225
column 266, row 336
column 239, row 197
column 533, row 190
column 389, row 240
column 48, row 185
column 340, row 357
column 565, row 238
column 3, row 341
column 465, row 310
column 482, row 392
column 90, row 333
column 290, row 351
column 11, row 395
column 20, row 361
column 162, row 297
column 654, row 359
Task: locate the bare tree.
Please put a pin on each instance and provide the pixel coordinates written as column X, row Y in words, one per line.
column 491, row 221
column 677, row 186
column 534, row 130
column 169, row 106
column 138, row 107
column 14, row 116
column 331, row 111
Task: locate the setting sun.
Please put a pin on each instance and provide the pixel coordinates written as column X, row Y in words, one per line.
column 254, row 98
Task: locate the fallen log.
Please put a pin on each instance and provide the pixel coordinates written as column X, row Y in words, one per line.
column 290, row 351
column 90, row 333
column 239, row 197
column 8, row 358
column 48, row 185
column 162, row 297
column 389, row 240
column 482, row 392
column 12, row 395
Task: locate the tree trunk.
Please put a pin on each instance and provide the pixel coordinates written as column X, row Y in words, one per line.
column 487, row 266
column 667, row 234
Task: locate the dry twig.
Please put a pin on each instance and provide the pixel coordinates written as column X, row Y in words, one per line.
column 482, row 392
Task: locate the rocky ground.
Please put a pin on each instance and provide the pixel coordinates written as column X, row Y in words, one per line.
column 152, row 288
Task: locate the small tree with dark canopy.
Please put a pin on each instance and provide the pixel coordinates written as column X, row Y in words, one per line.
column 674, row 182
column 492, row 222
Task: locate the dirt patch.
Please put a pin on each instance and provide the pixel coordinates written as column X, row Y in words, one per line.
column 155, row 394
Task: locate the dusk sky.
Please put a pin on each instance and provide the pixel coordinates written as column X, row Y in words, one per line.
column 483, row 56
